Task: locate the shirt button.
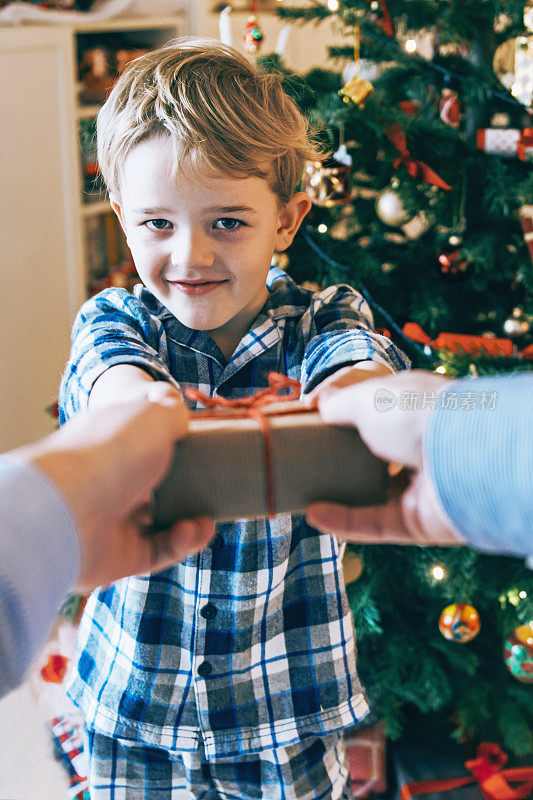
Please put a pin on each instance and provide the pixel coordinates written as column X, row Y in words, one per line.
column 209, row 611
column 205, row 669
column 217, row 543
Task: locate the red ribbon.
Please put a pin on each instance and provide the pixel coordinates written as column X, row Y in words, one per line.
column 525, row 143
column 55, row 669
column 386, row 23
column 476, row 345
column 487, row 772
column 255, row 407
column 416, row 169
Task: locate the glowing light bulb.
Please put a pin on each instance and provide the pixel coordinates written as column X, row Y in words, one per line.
column 410, row 46
column 438, row 572
column 322, row 228
column 333, row 5
column 441, row 370
column 512, row 596
column 522, row 594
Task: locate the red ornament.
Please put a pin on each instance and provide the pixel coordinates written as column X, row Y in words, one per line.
column 253, row 35
column 518, row 653
column 459, row 622
column 452, row 263
column 449, row 108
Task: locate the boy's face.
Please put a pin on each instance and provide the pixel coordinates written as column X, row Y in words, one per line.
column 203, row 249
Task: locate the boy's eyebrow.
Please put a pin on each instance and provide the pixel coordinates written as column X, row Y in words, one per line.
column 152, row 210
column 210, row 210
column 229, row 209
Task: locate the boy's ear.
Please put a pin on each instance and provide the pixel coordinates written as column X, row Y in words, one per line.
column 117, row 208
column 290, row 219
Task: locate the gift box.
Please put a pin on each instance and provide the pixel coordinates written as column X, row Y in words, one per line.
column 498, row 141
column 250, row 463
column 365, row 751
column 511, row 142
column 428, row 763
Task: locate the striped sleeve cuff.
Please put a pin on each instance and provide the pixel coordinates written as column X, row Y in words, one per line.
column 479, row 452
column 337, row 349
column 39, row 562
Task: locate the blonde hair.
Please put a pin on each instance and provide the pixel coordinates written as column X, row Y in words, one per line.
column 217, row 110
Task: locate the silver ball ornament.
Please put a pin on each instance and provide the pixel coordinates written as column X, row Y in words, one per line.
column 390, row 209
column 517, row 324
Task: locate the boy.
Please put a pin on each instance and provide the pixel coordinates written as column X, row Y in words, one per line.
column 232, row 674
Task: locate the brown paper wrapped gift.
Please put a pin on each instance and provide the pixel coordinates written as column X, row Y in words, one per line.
column 231, row 466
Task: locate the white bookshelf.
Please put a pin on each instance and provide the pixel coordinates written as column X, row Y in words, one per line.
column 43, row 213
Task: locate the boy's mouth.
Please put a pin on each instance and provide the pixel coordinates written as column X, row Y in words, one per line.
column 197, row 287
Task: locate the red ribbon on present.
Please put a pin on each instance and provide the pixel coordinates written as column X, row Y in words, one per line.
column 416, row 169
column 475, row 345
column 487, row 772
column 525, row 144
column 55, row 669
column 255, row 406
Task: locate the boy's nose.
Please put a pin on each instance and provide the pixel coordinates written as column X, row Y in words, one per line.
column 191, row 249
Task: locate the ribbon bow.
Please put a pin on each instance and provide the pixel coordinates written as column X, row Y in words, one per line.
column 487, row 771
column 263, row 397
column 255, row 407
column 416, row 169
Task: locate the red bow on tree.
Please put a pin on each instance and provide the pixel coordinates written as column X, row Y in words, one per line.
column 416, row 169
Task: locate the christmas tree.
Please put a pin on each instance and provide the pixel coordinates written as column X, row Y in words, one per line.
column 423, row 207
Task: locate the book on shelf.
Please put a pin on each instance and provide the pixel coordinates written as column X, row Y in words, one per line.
column 109, row 261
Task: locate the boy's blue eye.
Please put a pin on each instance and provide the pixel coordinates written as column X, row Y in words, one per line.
column 228, row 224
column 158, row 224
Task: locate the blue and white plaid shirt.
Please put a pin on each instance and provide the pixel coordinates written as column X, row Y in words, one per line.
column 249, row 644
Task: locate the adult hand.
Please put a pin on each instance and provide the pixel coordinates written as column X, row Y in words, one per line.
column 391, row 415
column 105, row 462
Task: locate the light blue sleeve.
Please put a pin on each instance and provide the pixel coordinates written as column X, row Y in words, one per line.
column 39, row 563
column 479, row 450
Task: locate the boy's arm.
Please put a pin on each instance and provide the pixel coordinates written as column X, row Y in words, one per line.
column 112, row 330
column 340, row 334
column 118, row 383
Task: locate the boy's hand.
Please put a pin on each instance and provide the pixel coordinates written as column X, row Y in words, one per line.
column 394, row 433
column 105, row 462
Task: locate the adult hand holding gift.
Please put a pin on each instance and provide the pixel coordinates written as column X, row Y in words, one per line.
column 468, row 447
column 394, row 432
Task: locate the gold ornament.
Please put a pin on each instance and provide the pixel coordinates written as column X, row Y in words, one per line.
column 356, row 91
column 327, row 184
column 346, row 225
column 280, row 260
column 352, row 567
column 312, row 286
column 517, row 324
column 417, row 226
